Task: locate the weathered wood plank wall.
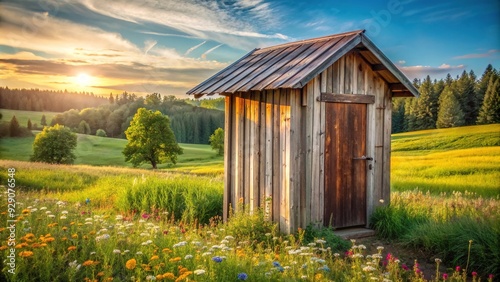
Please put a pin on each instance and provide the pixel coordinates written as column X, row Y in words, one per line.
column 275, row 145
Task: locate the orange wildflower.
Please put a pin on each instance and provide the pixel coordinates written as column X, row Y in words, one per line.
column 26, row 254
column 71, row 248
column 130, row 264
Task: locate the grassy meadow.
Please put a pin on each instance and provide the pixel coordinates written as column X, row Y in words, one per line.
column 23, row 116
column 101, row 220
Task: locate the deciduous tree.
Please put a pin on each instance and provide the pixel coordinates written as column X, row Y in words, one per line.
column 217, row 141
column 54, row 145
column 150, row 139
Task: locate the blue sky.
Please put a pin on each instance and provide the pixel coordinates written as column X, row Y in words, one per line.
column 170, row 46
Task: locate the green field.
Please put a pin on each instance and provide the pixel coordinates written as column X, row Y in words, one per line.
column 23, row 116
column 101, row 151
column 149, row 223
column 447, row 160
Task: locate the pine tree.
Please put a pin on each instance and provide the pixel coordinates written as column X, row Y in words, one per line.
column 410, row 114
column 427, row 106
column 43, row 121
column 450, row 113
column 14, row 127
column 482, row 84
column 29, row 125
column 467, row 97
column 490, row 110
column 398, row 115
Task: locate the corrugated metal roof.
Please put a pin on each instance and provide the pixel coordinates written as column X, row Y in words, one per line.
column 292, row 65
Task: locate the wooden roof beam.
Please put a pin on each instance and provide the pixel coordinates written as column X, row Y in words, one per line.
column 378, row 67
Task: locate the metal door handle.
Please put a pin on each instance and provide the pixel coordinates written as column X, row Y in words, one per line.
column 364, row 158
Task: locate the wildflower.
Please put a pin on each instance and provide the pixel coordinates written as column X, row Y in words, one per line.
column 88, row 263
column 26, row 254
column 405, row 267
column 474, row 274
column 242, row 276
column 74, row 264
column 166, row 250
column 368, row 268
column 130, row 264
column 154, row 257
column 188, row 257
column 116, row 251
column 176, row 259
column 147, row 243
column 199, row 272
column 490, row 277
column 445, row 276
column 150, row 278
column 319, row 241
column 217, row 259
column 457, row 269
column 324, row 268
column 71, row 248
column 437, row 260
column 168, row 276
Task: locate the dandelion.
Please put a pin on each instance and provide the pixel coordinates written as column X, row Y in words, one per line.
column 130, row 264
column 242, row 276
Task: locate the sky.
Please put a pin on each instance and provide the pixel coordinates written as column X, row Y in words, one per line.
column 169, row 46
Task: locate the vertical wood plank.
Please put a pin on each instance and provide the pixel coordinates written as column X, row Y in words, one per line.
column 276, row 156
column 228, row 117
column 308, row 94
column 316, row 152
column 262, row 149
column 354, row 69
column 348, row 74
column 269, row 152
column 386, row 168
column 341, row 76
column 250, row 156
column 256, row 150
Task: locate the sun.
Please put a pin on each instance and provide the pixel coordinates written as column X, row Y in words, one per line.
column 83, row 79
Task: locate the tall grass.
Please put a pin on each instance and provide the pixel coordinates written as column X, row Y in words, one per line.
column 185, row 197
column 443, row 225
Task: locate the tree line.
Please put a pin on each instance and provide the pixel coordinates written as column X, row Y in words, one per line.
column 48, row 100
column 190, row 124
column 465, row 100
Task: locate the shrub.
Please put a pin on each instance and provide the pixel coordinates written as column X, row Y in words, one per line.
column 101, row 133
column 54, row 145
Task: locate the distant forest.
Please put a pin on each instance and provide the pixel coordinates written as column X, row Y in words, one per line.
column 86, row 113
column 449, row 102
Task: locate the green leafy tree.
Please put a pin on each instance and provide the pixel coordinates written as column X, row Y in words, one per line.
column 14, row 127
column 54, row 145
column 29, row 125
column 217, row 141
column 490, row 110
column 150, row 139
column 450, row 112
column 83, row 127
column 101, row 133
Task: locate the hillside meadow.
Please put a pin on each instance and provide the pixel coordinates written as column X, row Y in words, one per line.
column 23, row 116
column 105, row 221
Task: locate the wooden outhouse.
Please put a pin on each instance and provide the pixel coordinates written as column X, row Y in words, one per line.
column 308, row 130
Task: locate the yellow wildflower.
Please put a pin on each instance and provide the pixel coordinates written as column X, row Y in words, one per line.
column 169, row 276
column 3, row 248
column 71, row 248
column 130, row 264
column 74, row 236
column 154, row 257
column 26, row 254
column 176, row 259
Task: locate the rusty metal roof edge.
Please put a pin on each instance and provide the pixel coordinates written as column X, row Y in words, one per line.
column 197, row 87
column 389, row 65
column 359, row 31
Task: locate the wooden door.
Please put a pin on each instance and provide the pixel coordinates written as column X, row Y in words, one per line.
column 345, row 168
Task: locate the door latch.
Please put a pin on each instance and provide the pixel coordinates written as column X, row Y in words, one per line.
column 363, row 158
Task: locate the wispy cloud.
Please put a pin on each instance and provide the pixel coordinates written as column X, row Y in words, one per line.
column 204, row 55
column 422, row 71
column 194, row 48
column 214, row 20
column 490, row 53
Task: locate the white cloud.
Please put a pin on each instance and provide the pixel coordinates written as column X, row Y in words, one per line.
column 204, row 55
column 422, row 71
column 194, row 48
column 489, row 53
